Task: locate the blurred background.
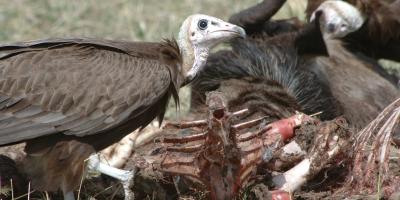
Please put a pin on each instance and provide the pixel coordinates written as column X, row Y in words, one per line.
column 140, row 20
column 148, row 20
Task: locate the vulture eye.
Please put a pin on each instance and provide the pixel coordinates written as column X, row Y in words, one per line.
column 203, row 23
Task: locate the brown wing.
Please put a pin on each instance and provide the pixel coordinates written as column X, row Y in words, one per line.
column 78, row 87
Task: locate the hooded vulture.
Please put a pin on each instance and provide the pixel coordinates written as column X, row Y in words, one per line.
column 68, row 98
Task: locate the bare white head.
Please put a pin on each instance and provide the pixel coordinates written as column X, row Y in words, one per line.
column 198, row 34
column 338, row 18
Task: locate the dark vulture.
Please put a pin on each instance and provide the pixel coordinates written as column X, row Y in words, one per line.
column 379, row 35
column 68, row 98
column 361, row 87
column 308, row 63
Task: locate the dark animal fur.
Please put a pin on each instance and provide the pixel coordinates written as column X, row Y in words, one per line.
column 265, row 78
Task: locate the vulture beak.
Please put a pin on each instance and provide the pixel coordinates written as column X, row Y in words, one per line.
column 221, row 31
column 227, row 30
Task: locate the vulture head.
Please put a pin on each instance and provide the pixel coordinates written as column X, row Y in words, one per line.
column 198, row 34
column 338, row 18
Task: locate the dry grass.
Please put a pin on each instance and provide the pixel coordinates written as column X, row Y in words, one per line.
column 117, row 19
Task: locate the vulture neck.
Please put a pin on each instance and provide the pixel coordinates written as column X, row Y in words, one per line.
column 194, row 58
column 336, row 49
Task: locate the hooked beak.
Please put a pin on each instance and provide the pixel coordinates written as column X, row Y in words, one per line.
column 227, row 31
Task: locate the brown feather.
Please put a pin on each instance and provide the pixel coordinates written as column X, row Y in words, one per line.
column 68, row 98
column 118, row 81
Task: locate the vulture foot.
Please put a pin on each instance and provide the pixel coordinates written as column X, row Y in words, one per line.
column 126, row 177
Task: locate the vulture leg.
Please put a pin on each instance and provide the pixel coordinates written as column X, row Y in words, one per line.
column 69, row 195
column 126, row 177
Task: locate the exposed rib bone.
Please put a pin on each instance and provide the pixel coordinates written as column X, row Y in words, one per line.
column 185, row 139
column 240, row 112
column 248, row 124
column 183, row 125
